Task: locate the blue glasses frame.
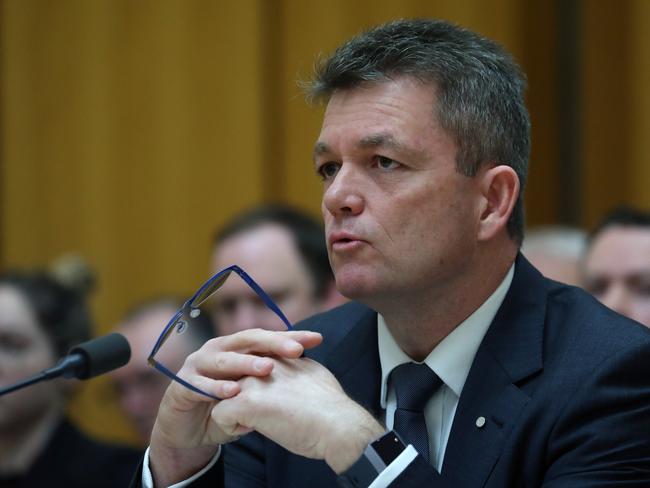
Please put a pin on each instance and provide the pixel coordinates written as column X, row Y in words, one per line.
column 192, row 305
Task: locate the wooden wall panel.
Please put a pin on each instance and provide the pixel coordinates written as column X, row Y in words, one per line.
column 539, row 63
column 607, row 104
column 639, row 152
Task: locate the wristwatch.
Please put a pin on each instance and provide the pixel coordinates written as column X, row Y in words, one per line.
column 375, row 458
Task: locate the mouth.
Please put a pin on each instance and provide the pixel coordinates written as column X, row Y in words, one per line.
column 344, row 240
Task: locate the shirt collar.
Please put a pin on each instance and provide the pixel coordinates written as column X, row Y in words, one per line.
column 452, row 358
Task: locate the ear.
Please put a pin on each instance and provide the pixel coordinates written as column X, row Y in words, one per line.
column 499, row 190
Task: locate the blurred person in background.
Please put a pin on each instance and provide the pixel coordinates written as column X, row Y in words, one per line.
column 556, row 251
column 40, row 320
column 284, row 250
column 140, row 387
column 617, row 263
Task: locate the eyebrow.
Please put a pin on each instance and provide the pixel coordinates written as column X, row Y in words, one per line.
column 321, row 148
column 381, row 139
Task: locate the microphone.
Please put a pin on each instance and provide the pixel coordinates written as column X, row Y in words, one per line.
column 87, row 360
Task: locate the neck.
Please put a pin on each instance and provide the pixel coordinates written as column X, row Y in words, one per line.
column 20, row 447
column 418, row 322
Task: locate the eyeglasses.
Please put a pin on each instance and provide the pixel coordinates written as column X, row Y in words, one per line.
column 190, row 310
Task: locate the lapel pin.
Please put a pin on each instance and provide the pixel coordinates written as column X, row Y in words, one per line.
column 480, row 422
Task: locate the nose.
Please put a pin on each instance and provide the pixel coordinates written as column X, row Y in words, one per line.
column 243, row 318
column 343, row 196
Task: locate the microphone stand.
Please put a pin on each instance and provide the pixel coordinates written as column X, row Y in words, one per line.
column 89, row 359
column 67, row 367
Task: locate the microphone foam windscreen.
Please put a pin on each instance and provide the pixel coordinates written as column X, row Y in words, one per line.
column 102, row 355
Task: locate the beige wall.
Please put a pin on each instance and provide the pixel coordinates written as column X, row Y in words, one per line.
column 130, row 130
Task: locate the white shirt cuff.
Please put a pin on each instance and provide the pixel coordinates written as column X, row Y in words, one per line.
column 394, row 469
column 147, row 479
column 385, row 478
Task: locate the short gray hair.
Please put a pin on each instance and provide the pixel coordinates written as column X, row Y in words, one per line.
column 479, row 88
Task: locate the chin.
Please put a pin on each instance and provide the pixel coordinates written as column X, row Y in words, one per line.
column 354, row 284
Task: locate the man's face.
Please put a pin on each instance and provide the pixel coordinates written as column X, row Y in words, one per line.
column 140, row 387
column 617, row 271
column 400, row 220
column 24, row 350
column 269, row 255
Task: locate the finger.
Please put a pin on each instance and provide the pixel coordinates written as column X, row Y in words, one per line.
column 274, row 343
column 309, row 339
column 235, row 431
column 241, row 430
column 223, row 389
column 227, row 365
column 187, row 398
column 228, row 416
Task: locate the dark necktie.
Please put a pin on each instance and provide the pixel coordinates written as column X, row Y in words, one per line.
column 414, row 386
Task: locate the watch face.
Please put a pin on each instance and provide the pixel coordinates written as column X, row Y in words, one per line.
column 388, row 447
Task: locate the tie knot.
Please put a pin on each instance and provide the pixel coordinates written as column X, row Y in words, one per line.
column 414, row 385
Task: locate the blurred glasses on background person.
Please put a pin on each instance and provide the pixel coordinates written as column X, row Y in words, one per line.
column 192, row 308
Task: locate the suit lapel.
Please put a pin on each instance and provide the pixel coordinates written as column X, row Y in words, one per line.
column 355, row 362
column 491, row 401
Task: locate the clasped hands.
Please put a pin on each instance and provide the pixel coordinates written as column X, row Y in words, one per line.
column 266, row 386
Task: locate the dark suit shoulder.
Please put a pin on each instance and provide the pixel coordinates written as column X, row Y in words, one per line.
column 73, row 459
column 543, row 324
column 336, row 325
column 581, row 323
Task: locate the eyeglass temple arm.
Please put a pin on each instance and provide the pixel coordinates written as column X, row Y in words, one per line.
column 267, row 299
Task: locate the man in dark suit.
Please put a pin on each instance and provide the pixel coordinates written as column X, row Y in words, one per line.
column 464, row 367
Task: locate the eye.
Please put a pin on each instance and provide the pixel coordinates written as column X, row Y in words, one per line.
column 13, row 344
column 327, row 171
column 225, row 307
column 641, row 286
column 596, row 286
column 383, row 162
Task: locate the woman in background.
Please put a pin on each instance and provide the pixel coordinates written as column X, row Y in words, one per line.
column 40, row 320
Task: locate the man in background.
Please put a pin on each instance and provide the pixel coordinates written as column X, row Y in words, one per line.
column 139, row 387
column 617, row 263
column 284, row 250
column 556, row 251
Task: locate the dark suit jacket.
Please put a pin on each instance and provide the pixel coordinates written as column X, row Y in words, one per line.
column 73, row 460
column 563, row 383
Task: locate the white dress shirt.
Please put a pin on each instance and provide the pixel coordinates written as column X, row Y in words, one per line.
column 451, row 360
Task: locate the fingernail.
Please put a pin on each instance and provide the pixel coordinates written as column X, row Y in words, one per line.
column 261, row 364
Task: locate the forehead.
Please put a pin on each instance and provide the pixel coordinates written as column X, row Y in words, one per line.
column 394, row 108
column 620, row 248
column 16, row 314
column 144, row 328
column 268, row 253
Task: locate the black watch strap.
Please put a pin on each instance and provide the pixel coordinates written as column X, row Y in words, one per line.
column 375, row 458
